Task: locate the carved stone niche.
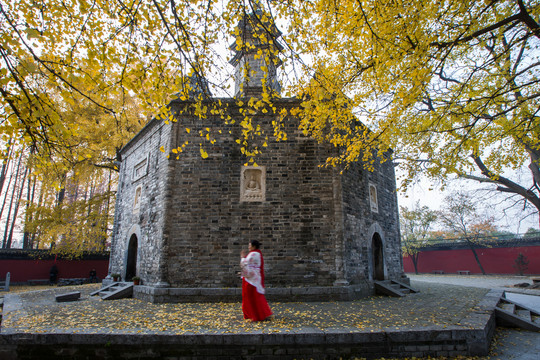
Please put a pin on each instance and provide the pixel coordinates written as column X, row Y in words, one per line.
column 373, row 198
column 253, row 183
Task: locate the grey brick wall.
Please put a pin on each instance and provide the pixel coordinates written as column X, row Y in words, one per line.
column 148, row 221
column 315, row 225
column 361, row 222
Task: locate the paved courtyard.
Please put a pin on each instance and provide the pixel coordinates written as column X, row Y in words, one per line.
column 435, row 305
column 509, row 343
column 444, row 301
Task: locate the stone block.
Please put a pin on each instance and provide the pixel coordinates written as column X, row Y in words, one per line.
column 277, row 291
column 278, row 339
column 478, row 348
column 441, row 335
column 309, row 339
column 184, row 291
column 72, row 296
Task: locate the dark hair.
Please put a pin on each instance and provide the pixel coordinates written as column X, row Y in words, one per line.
column 255, row 244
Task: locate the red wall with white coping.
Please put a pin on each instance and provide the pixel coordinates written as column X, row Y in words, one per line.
column 23, row 270
column 499, row 260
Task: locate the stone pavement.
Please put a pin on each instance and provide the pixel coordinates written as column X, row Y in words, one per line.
column 479, row 281
column 436, row 305
column 509, row 343
column 437, row 310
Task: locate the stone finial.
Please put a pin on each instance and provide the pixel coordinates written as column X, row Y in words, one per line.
column 256, row 55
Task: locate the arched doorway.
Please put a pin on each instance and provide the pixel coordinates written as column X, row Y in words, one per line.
column 131, row 262
column 378, row 257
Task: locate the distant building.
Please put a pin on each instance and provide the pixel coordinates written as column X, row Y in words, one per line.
column 180, row 224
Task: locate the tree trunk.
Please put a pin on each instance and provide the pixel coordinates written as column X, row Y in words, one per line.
column 107, row 209
column 27, row 240
column 16, row 211
column 5, row 196
column 5, row 167
column 5, row 242
column 414, row 259
column 471, row 246
column 34, row 235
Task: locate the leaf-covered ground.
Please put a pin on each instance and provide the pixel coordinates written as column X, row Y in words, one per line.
column 435, row 305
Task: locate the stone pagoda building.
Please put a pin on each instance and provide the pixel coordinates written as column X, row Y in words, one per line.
column 180, row 224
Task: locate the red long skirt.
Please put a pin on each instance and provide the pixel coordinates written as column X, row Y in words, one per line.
column 254, row 304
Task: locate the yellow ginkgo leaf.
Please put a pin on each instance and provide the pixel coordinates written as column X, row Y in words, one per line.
column 204, row 154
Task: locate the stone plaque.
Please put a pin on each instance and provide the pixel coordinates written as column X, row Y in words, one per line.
column 253, row 183
column 373, row 199
column 137, row 199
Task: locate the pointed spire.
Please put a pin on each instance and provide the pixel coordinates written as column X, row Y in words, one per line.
column 195, row 86
column 256, row 52
column 198, row 86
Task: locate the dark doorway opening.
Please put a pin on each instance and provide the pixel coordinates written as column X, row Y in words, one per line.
column 131, row 265
column 378, row 257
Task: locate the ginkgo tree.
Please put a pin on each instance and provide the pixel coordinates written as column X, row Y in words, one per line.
column 452, row 89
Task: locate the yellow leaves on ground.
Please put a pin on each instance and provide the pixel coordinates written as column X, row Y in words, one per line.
column 430, row 307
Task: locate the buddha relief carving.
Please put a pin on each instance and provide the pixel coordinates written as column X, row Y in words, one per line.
column 253, row 183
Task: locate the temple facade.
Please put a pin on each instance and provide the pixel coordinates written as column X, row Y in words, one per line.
column 180, row 224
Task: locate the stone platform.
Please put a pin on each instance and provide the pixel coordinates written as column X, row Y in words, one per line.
column 441, row 320
column 202, row 295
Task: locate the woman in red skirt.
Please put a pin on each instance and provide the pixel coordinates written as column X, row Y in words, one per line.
column 254, row 304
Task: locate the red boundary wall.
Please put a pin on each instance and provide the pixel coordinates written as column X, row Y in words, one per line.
column 500, row 260
column 22, row 268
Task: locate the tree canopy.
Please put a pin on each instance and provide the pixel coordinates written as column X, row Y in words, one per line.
column 452, row 90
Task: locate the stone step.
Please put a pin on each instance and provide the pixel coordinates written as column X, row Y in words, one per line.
column 120, row 291
column 511, row 308
column 72, row 296
column 511, row 314
column 524, row 314
column 392, row 288
column 112, row 287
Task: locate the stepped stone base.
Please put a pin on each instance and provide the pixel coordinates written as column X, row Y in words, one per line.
column 306, row 294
